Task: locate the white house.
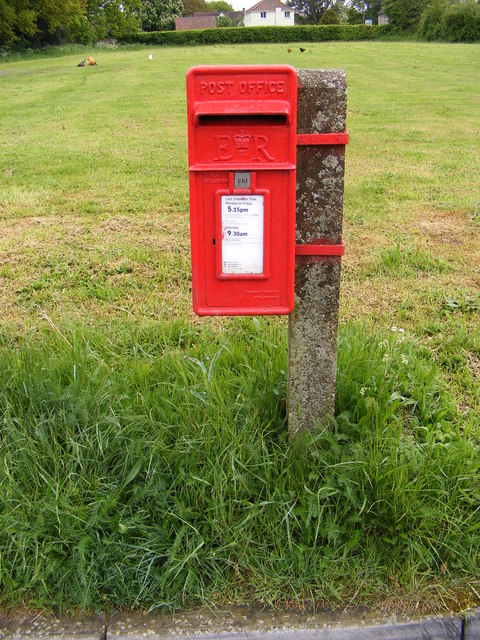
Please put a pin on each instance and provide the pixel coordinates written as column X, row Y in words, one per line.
column 272, row 13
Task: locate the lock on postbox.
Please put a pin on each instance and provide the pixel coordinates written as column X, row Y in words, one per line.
column 242, row 160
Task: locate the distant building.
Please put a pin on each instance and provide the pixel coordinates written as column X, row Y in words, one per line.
column 382, row 17
column 269, row 13
column 235, row 16
column 195, row 22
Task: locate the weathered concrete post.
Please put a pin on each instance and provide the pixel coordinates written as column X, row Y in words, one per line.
column 312, row 332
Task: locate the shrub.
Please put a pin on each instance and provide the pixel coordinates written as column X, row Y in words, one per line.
column 404, row 15
column 461, row 22
column 224, row 21
column 81, row 31
column 430, row 26
column 354, row 16
column 330, row 17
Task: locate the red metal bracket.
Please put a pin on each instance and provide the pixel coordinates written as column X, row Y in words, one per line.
column 314, row 139
column 320, row 249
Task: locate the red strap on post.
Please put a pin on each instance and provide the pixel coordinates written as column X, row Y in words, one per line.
column 314, row 139
column 320, row 249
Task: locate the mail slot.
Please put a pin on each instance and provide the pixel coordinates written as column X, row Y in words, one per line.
column 242, row 158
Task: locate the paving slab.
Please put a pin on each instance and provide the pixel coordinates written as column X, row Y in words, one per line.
column 20, row 626
column 254, row 624
column 472, row 626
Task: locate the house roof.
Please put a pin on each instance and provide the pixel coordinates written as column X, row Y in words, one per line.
column 269, row 5
column 233, row 15
column 195, row 22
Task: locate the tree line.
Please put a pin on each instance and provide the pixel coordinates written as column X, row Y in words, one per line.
column 451, row 20
column 36, row 23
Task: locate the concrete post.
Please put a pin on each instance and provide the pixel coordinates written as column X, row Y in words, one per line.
column 312, row 330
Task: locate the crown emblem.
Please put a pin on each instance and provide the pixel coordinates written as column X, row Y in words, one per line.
column 242, row 142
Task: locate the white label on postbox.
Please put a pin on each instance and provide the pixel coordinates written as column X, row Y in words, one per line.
column 242, row 234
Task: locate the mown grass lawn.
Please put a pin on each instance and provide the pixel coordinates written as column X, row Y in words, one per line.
column 143, row 458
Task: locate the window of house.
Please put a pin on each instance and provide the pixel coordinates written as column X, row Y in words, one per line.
column 287, row 14
column 263, row 14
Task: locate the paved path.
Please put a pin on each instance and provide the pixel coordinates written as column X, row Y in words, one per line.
column 239, row 623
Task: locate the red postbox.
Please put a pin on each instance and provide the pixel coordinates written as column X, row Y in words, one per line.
column 242, row 159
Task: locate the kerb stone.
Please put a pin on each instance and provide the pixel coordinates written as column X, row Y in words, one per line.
column 47, row 627
column 472, row 626
column 253, row 624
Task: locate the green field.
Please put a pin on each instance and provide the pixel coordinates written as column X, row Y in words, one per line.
column 143, row 452
column 94, row 180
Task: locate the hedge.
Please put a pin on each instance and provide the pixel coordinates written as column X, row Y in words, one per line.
column 241, row 35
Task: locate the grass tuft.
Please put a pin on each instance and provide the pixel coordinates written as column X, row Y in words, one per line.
column 408, row 262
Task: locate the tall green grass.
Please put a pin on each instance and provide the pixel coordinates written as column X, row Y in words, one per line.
column 149, row 466
column 143, row 459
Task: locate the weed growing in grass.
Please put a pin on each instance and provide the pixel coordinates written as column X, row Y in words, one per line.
column 476, row 212
column 463, row 302
column 149, row 467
